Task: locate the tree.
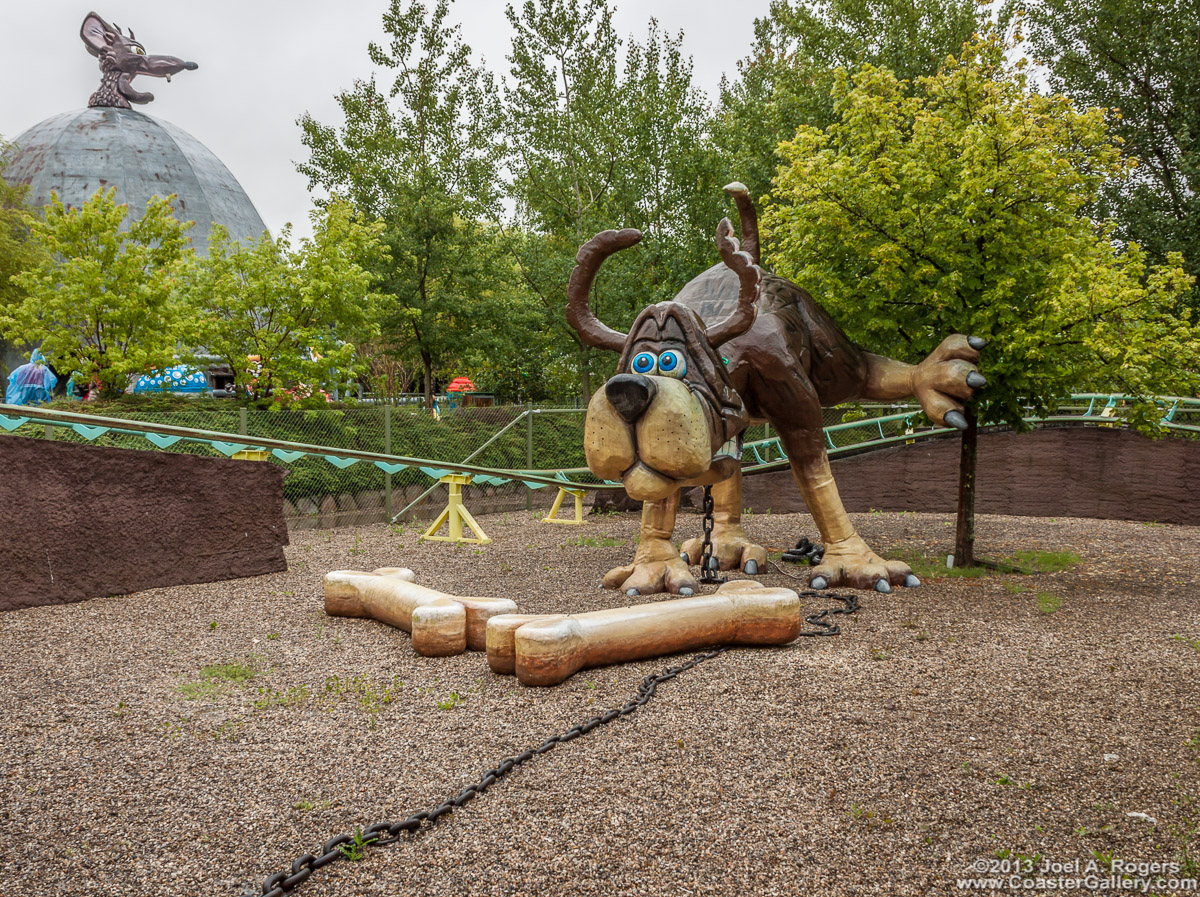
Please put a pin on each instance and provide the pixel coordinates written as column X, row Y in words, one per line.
column 787, row 80
column 283, row 318
column 1143, row 59
column 595, row 145
column 563, row 111
column 17, row 251
column 101, row 300
column 961, row 207
column 421, row 155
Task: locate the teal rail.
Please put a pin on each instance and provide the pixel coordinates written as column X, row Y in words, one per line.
column 162, row 436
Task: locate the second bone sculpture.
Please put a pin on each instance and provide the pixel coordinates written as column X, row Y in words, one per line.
column 441, row 625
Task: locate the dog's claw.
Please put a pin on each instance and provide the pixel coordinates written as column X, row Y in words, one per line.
column 976, row 342
column 751, row 567
column 955, row 419
column 975, row 380
column 818, row 582
column 911, row 581
column 882, row 585
column 686, row 592
column 632, row 593
column 683, row 556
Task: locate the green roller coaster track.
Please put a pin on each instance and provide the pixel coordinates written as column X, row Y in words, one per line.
column 761, row 456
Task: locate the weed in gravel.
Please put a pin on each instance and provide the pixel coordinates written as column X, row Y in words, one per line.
column 356, row 849
column 293, row 697
column 1195, row 643
column 590, row 542
column 305, row 805
column 1005, row 780
column 926, row 567
column 271, row 636
column 369, row 696
column 214, row 678
column 1048, row 602
column 880, row 654
column 212, row 625
column 1015, row 587
column 1045, row 561
column 451, row 702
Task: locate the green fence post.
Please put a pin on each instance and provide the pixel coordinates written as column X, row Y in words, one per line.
column 49, row 434
column 387, row 450
column 528, row 451
column 243, row 421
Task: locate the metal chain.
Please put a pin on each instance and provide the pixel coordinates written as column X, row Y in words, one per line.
column 381, row 833
column 849, row 606
column 708, row 573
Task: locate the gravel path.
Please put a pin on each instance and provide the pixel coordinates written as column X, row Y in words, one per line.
column 949, row 723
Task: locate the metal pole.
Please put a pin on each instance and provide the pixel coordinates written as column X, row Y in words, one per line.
column 243, row 421
column 387, row 450
column 508, row 426
column 528, row 452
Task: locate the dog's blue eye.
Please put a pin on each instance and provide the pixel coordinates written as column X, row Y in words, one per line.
column 644, row 363
column 672, row 364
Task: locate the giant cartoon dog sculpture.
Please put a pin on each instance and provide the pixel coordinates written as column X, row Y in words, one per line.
column 674, row 413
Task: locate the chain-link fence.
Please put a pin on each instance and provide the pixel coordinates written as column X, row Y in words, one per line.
column 320, row 493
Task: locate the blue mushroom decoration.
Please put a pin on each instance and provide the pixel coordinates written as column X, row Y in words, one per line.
column 179, row 379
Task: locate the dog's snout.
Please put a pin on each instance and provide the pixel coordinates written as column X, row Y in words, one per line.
column 630, row 395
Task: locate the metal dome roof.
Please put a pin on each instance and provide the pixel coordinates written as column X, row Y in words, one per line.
column 76, row 153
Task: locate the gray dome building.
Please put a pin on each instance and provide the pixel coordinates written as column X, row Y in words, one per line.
column 77, row 153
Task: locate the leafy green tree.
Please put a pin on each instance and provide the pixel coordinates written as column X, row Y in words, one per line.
column 101, row 300
column 961, row 207
column 788, row 78
column 1143, row 58
column 563, row 110
column 286, row 321
column 595, row 146
column 17, row 251
column 420, row 154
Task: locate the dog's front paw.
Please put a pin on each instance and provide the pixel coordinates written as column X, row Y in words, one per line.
column 731, row 549
column 651, row 577
column 852, row 564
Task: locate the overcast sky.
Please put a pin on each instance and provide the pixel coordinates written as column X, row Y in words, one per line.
column 263, row 63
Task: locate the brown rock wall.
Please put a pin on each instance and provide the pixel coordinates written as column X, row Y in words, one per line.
column 1103, row 472
column 82, row 521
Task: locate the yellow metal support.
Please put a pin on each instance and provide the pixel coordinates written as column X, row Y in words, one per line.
column 553, row 517
column 456, row 515
column 251, row 455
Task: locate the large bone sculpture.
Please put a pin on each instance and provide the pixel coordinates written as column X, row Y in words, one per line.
column 441, row 625
column 546, row 649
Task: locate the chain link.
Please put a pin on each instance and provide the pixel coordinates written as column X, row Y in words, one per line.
column 708, row 572
column 380, row 833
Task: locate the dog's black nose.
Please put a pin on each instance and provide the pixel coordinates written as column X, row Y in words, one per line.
column 630, row 394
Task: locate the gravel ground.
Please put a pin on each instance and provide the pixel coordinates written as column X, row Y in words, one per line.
column 947, row 724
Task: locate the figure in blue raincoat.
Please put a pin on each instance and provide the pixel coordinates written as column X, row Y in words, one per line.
column 30, row 383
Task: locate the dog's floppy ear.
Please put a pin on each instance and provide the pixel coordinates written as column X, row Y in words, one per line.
column 96, row 33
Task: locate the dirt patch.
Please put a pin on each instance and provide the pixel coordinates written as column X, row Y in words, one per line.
column 195, row 739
